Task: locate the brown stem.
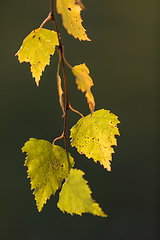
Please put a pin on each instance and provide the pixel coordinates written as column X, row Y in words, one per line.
column 53, row 19
column 58, row 138
column 67, row 63
column 46, row 20
column 74, row 110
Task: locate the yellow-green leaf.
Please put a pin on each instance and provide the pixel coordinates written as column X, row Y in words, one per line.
column 75, row 196
column 84, row 83
column 71, row 18
column 95, row 136
column 36, row 49
column 48, row 166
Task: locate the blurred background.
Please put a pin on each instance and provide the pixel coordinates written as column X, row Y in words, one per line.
column 123, row 62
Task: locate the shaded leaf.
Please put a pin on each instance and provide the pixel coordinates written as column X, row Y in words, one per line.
column 84, row 83
column 71, row 18
column 75, row 196
column 36, row 49
column 47, row 166
column 60, row 93
column 94, row 136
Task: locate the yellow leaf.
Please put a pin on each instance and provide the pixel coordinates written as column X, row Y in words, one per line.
column 48, row 166
column 84, row 83
column 60, row 93
column 71, row 18
column 75, row 196
column 36, row 49
column 95, row 136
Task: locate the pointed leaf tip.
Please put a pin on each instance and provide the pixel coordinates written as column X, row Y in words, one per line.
column 36, row 49
column 70, row 12
column 47, row 166
column 95, row 136
column 75, row 196
column 84, row 83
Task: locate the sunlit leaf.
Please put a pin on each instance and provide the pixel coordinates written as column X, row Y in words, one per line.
column 95, row 136
column 84, row 83
column 71, row 18
column 36, row 49
column 47, row 166
column 75, row 196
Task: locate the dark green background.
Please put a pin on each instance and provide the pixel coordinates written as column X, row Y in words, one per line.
column 123, row 61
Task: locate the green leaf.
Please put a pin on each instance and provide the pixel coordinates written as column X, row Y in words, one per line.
column 71, row 18
column 94, row 136
column 36, row 49
column 48, row 166
column 75, row 196
column 84, row 83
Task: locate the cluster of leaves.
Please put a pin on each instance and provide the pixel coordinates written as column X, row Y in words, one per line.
column 51, row 167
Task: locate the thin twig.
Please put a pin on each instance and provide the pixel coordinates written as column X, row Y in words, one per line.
column 64, row 73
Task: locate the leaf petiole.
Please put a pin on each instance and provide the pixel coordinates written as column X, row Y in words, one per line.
column 46, row 20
